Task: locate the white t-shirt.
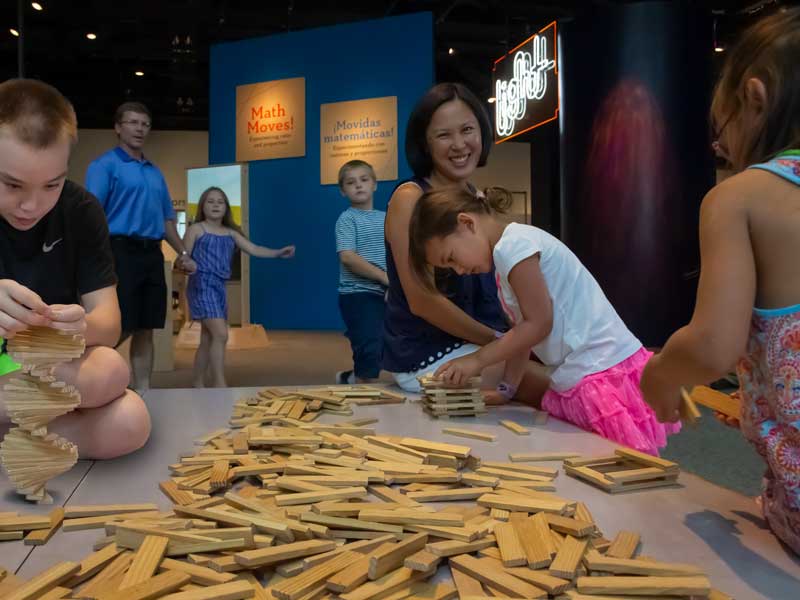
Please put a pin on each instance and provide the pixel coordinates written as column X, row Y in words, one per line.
column 587, row 336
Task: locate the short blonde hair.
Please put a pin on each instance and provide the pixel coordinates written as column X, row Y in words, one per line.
column 355, row 164
column 36, row 113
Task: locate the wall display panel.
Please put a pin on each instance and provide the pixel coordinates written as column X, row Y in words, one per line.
column 359, row 130
column 271, row 119
column 287, row 204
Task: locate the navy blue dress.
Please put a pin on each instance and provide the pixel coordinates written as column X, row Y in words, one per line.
column 411, row 343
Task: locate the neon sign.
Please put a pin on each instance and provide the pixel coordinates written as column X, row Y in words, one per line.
column 526, row 85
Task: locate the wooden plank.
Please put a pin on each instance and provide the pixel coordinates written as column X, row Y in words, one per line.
column 511, row 549
column 548, row 472
column 234, row 590
column 568, row 525
column 385, row 585
column 312, row 497
column 534, row 537
column 647, row 459
column 644, row 474
column 199, row 574
column 41, row 536
column 390, row 558
column 468, row 493
column 353, row 576
column 624, row 545
column 688, row 409
column 455, row 547
column 436, row 447
column 405, row 517
column 45, row 581
column 522, row 504
column 145, row 561
column 515, row 427
column 113, row 570
column 155, row 587
column 352, row 524
column 78, row 512
column 470, row 433
column 297, row 587
column 486, row 573
column 552, row 585
column 540, row 456
column 718, row 401
column 595, row 561
column 422, row 561
column 569, row 556
column 466, row 584
column 276, row 554
column 25, row 523
column 648, row 586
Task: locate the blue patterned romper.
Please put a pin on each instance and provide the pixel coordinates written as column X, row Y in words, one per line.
column 206, row 289
column 769, row 377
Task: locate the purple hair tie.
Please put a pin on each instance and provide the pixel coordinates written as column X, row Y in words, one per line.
column 506, row 390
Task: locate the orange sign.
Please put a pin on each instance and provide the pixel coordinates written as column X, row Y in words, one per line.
column 271, row 119
column 359, row 129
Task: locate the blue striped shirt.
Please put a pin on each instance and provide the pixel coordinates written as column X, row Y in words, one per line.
column 362, row 232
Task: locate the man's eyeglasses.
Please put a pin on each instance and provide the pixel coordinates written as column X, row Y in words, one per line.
column 144, row 124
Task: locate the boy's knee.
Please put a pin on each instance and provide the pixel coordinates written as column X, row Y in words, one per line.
column 132, row 426
column 113, row 370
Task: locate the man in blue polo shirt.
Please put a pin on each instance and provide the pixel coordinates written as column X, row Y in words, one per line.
column 139, row 210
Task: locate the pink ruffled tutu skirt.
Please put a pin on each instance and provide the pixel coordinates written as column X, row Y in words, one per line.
column 610, row 404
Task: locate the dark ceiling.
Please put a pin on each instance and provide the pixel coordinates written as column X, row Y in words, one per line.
column 169, row 40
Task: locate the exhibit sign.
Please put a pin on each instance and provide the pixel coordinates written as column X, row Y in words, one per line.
column 359, row 130
column 271, row 119
column 526, row 85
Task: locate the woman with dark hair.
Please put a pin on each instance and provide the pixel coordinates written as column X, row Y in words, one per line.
column 449, row 135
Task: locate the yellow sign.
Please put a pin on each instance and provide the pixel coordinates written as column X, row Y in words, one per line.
column 360, row 129
column 271, row 119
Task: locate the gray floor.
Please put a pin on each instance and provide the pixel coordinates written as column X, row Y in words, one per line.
column 713, row 451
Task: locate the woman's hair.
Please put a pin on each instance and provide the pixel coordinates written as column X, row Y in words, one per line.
column 227, row 219
column 436, row 215
column 770, row 51
column 417, row 153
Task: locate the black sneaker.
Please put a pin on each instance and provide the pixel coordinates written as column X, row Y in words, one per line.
column 345, row 377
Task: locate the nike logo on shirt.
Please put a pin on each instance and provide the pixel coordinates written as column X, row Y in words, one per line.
column 47, row 247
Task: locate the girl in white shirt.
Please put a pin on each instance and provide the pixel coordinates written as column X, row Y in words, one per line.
column 556, row 309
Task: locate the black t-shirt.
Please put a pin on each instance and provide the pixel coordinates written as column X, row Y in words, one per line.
column 66, row 254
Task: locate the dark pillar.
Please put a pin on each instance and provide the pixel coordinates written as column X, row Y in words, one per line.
column 635, row 156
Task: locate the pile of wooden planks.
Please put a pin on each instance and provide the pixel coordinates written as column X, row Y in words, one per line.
column 627, row 470
column 33, row 398
column 284, row 509
column 441, row 400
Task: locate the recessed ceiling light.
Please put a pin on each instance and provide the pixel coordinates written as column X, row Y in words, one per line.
column 719, row 49
column 491, row 100
column 91, row 36
column 14, row 32
column 139, row 73
column 451, row 51
column 36, row 6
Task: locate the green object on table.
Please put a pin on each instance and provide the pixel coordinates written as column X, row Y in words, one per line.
column 7, row 364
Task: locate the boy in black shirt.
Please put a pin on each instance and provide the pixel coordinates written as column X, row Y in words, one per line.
column 56, row 268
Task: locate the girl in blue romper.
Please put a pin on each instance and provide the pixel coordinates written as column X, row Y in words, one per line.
column 211, row 241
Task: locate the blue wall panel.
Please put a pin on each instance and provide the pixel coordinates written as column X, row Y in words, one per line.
column 386, row 57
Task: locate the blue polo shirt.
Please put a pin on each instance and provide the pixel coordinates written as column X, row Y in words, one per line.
column 133, row 194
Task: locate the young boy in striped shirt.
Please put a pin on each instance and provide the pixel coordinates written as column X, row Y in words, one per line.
column 362, row 271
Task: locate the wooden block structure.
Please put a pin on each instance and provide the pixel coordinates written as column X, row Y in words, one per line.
column 332, row 514
column 627, row 470
column 28, row 453
column 440, row 400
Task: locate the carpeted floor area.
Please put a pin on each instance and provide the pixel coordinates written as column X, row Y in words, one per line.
column 712, row 450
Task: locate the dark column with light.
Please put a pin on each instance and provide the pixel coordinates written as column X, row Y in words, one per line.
column 635, row 158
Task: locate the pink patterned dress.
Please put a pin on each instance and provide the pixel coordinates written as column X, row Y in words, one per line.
column 769, row 377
